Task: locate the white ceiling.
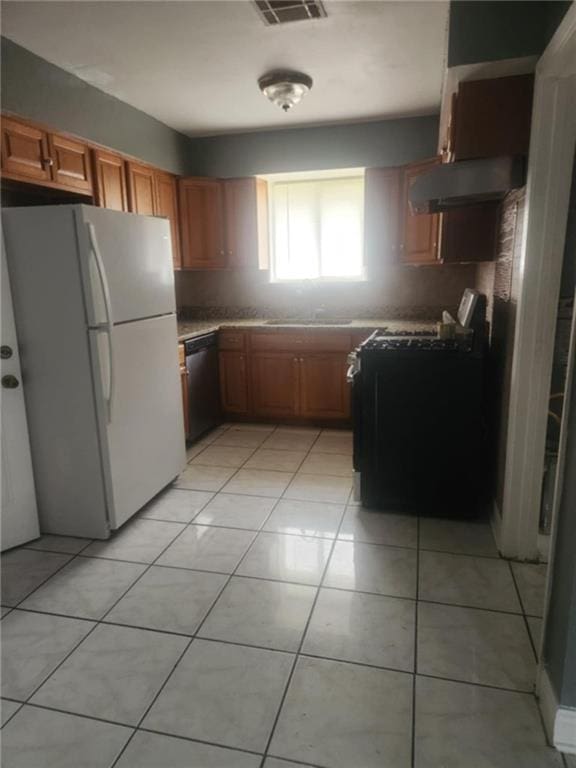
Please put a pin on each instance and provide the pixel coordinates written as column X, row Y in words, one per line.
column 194, row 65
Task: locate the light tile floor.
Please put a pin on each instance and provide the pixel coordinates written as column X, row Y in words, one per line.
column 254, row 616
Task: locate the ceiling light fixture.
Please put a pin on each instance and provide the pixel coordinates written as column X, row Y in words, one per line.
column 285, row 88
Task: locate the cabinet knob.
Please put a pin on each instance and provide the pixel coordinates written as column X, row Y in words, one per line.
column 48, row 161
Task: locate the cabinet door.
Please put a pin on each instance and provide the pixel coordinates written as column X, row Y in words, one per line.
column 167, row 206
column 70, row 164
column 274, row 378
column 324, row 392
column 141, row 189
column 201, row 224
column 233, row 382
column 110, row 181
column 381, row 217
column 492, row 117
column 419, row 231
column 246, row 217
column 25, row 153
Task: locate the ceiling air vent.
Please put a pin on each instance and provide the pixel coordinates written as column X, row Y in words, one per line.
column 283, row 11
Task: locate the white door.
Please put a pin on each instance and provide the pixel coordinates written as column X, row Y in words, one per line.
column 19, row 512
column 132, row 256
column 141, row 404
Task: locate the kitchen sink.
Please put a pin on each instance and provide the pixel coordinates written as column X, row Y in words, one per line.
column 308, row 322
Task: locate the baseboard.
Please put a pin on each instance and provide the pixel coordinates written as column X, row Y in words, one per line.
column 496, row 524
column 560, row 722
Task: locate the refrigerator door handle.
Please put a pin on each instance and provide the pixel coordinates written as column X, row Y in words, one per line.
column 108, row 326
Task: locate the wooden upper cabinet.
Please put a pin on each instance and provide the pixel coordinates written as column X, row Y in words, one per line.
column 324, row 392
column 33, row 155
column 201, row 208
column 167, row 206
column 110, row 181
column 141, row 189
column 25, row 154
column 246, row 222
column 419, row 232
column 382, row 198
column 70, row 164
column 491, row 118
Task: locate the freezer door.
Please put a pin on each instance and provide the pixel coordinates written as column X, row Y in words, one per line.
column 131, row 256
column 141, row 407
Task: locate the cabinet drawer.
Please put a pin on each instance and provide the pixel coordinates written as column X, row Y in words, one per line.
column 327, row 341
column 231, row 340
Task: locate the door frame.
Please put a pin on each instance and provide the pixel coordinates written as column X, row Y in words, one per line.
column 551, row 155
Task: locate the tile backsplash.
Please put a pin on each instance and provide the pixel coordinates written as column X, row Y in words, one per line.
column 397, row 292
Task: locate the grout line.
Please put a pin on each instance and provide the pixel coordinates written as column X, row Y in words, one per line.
column 188, row 645
column 299, row 653
column 14, row 701
column 96, row 624
column 517, row 588
column 415, row 667
column 302, row 640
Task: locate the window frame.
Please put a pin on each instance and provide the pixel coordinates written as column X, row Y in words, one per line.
column 313, row 176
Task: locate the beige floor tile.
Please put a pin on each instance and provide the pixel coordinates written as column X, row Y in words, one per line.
column 461, row 725
column 201, row 478
column 319, row 488
column 222, row 456
column 233, row 510
column 531, row 580
column 283, row 461
column 479, row 582
column 475, row 646
column 327, row 464
column 241, row 438
column 343, row 715
column 259, row 482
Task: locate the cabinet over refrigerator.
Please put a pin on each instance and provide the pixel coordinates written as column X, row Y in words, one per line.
column 95, row 313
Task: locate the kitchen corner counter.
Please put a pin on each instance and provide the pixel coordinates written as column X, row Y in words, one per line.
column 189, row 329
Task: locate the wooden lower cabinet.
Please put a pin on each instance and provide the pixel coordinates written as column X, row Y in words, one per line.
column 233, row 382
column 287, row 377
column 274, row 380
column 324, row 392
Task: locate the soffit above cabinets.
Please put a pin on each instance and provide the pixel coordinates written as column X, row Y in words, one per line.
column 195, row 65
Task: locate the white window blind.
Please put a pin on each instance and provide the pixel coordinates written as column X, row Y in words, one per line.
column 318, row 228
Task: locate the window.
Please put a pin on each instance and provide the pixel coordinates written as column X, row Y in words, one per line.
column 318, row 226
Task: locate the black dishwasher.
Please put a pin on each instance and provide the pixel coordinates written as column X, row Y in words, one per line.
column 203, row 384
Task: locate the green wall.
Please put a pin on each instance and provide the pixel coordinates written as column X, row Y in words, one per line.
column 379, row 143
column 489, row 30
column 35, row 89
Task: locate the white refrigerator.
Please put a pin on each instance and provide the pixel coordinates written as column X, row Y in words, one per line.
column 93, row 294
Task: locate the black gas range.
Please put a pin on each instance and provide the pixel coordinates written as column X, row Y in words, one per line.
column 418, row 414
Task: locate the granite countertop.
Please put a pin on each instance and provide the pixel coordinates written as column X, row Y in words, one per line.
column 188, row 329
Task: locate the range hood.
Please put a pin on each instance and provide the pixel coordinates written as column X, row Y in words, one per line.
column 467, row 182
